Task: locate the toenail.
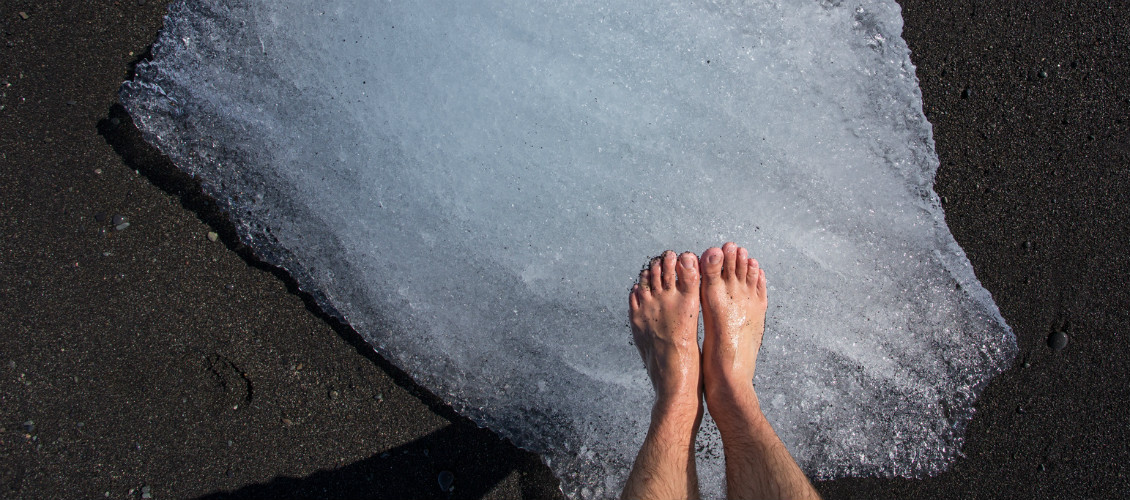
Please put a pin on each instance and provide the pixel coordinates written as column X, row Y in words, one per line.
column 686, row 261
column 714, row 258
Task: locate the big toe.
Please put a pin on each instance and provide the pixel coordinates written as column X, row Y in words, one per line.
column 711, row 264
column 688, row 273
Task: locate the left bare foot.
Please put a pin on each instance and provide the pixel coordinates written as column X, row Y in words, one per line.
column 664, row 309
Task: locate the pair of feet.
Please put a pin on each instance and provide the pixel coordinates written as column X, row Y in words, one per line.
column 729, row 288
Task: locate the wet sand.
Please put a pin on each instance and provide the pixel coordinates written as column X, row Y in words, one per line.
column 154, row 360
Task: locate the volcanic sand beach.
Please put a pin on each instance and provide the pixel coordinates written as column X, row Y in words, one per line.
column 154, row 361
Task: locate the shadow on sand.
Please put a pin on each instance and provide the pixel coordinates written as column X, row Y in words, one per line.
column 478, row 458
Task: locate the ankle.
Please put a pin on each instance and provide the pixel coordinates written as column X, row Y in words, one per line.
column 678, row 414
column 734, row 407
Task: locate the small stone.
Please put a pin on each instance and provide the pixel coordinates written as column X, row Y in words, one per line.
column 334, row 394
column 121, row 227
column 1021, row 410
column 145, row 492
column 1057, row 340
column 118, row 219
column 1041, row 468
column 97, row 171
column 446, row 481
column 1027, row 364
column 71, row 103
column 1027, row 245
column 29, row 426
column 229, row 287
column 100, row 217
column 213, row 236
column 23, row 15
column 966, row 93
column 1042, row 74
column 379, row 397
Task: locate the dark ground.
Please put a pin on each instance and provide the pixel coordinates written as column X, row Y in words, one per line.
column 154, row 358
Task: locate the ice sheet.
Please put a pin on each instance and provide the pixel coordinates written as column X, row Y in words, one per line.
column 473, row 186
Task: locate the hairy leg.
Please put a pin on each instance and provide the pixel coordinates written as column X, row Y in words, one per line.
column 734, row 300
column 663, row 311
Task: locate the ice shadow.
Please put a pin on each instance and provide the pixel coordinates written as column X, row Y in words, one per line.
column 478, row 457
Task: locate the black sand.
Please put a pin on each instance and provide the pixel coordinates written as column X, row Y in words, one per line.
column 154, row 358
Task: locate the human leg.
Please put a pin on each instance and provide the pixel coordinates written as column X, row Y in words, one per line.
column 734, row 299
column 663, row 311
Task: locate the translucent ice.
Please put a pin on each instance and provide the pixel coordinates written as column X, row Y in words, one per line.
column 474, row 185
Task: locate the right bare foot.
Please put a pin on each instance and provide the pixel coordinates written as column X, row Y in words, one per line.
column 734, row 299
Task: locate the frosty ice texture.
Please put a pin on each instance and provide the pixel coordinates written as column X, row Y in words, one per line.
column 474, row 186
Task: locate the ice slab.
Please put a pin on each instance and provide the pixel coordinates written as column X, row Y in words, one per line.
column 474, row 186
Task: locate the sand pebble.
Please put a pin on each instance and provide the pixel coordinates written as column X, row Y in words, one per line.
column 23, row 15
column 446, row 481
column 118, row 219
column 213, row 236
column 1057, row 340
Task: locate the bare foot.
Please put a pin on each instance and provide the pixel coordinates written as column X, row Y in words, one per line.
column 663, row 309
column 734, row 299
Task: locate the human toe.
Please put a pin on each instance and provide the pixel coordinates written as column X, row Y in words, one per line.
column 710, row 264
column 655, row 274
column 667, row 267
column 741, row 264
column 687, row 270
column 729, row 259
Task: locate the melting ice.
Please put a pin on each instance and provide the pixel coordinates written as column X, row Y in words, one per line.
column 474, row 185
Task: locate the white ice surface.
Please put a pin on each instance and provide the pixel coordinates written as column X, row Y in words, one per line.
column 473, row 186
